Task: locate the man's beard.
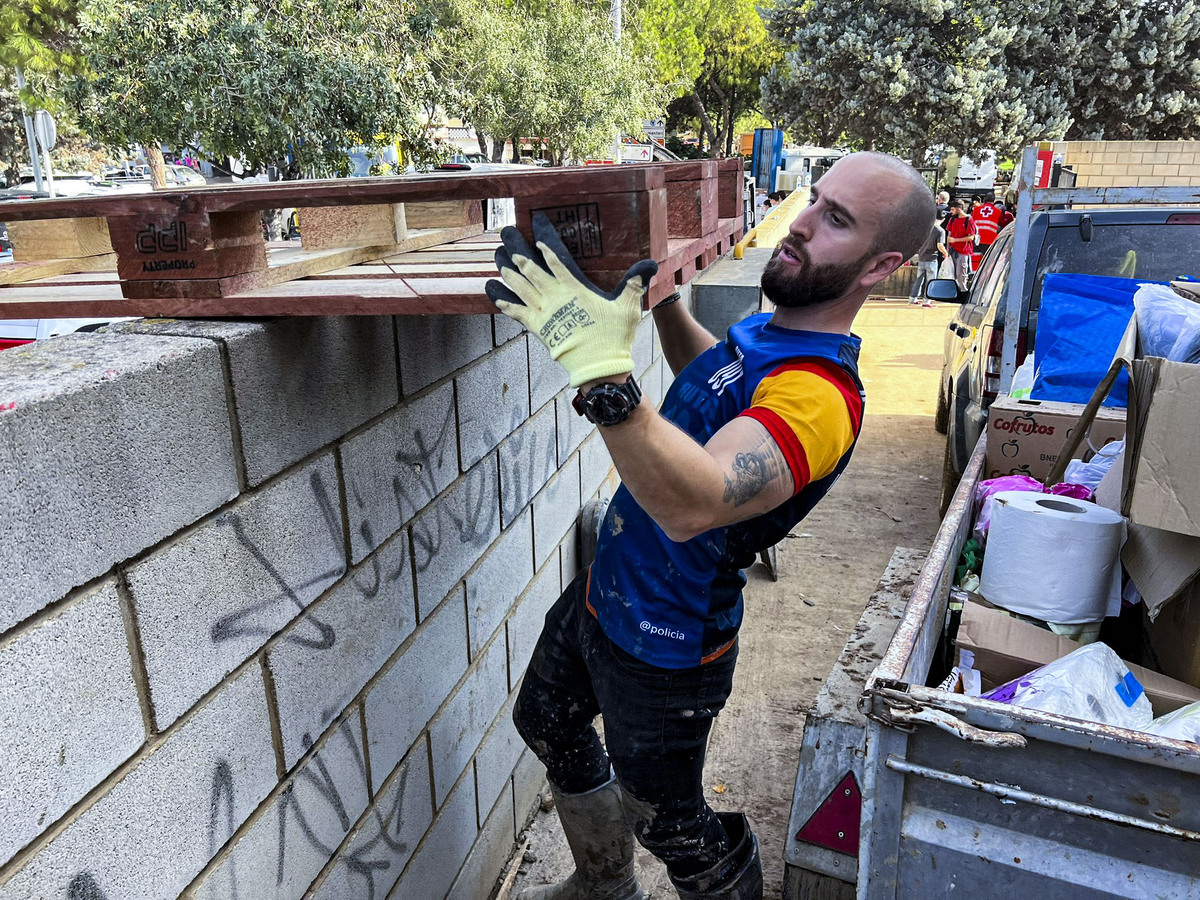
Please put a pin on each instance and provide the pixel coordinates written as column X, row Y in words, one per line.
column 791, row 286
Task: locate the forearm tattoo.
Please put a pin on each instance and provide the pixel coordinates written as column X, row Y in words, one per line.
column 752, row 472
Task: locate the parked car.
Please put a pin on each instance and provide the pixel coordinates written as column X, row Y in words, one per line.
column 1153, row 243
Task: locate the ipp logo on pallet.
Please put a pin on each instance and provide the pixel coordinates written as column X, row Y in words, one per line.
column 579, row 228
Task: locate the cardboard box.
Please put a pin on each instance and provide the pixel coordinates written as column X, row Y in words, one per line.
column 1161, row 486
column 1004, row 648
column 1024, row 437
column 1175, row 637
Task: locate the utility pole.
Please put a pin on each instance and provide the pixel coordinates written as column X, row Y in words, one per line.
column 29, row 136
column 616, row 20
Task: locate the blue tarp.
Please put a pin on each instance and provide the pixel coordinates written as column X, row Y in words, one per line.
column 1079, row 326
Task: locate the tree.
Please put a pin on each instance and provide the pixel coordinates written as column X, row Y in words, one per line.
column 895, row 75
column 1142, row 73
column 291, row 83
column 711, row 55
column 553, row 73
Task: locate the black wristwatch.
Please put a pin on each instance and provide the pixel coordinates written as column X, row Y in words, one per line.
column 608, row 403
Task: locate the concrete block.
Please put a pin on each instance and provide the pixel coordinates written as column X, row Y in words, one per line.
column 525, row 626
column 411, row 689
column 485, row 863
column 455, row 734
column 643, row 346
column 1165, row 169
column 728, row 291
column 384, row 841
column 108, row 444
column 70, row 714
column 493, row 399
column 211, row 598
column 444, row 849
column 296, row 831
column 497, row 757
column 527, row 460
column 572, row 427
column 328, row 655
column 569, row 555
column 450, row 536
column 529, row 783
column 595, row 464
column 395, row 467
column 431, row 347
column 555, row 510
column 505, row 329
column 301, row 383
column 546, row 377
column 493, row 587
column 155, row 829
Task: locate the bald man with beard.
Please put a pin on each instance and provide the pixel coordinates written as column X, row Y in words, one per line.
column 753, row 432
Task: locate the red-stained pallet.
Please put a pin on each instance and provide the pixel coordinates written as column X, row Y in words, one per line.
column 200, row 253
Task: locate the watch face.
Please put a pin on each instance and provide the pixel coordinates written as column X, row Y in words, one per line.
column 610, row 405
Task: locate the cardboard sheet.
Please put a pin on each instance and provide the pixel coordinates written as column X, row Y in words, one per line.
column 1005, row 648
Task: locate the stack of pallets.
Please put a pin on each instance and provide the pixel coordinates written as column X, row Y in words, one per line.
column 380, row 246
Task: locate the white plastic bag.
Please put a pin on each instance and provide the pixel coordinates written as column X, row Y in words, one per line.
column 1182, row 725
column 1168, row 325
column 1090, row 683
column 1023, row 379
column 1092, row 472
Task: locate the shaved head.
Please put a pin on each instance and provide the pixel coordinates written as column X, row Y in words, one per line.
column 908, row 215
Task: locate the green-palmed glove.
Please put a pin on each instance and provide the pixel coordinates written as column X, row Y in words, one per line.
column 588, row 331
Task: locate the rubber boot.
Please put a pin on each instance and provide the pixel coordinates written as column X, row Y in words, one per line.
column 601, row 844
column 738, row 876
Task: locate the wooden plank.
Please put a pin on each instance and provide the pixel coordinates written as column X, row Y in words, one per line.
column 567, row 183
column 291, row 264
column 444, row 213
column 370, row 225
column 59, row 239
column 730, row 178
column 20, row 272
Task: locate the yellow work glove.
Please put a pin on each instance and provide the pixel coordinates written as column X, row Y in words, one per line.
column 589, row 332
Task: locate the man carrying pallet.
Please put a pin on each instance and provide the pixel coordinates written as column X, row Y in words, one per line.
column 752, row 433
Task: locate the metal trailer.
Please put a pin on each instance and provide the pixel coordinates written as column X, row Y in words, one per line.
column 821, row 850
column 961, row 794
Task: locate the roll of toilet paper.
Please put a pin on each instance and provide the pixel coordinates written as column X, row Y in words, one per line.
column 1053, row 558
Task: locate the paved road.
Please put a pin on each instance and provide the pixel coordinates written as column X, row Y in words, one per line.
column 887, row 498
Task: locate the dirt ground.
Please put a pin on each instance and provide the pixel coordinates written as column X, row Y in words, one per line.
column 795, row 627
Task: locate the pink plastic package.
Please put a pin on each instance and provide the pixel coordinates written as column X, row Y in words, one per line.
column 985, row 490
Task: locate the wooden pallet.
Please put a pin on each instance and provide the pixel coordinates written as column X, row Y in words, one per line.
column 369, row 247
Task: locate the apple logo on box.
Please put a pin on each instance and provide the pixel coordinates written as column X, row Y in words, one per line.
column 1010, row 449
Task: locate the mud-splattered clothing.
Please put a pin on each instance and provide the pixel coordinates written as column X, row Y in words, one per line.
column 677, row 605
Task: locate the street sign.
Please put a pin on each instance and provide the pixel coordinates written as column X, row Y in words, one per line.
column 655, row 130
column 45, row 129
column 633, row 153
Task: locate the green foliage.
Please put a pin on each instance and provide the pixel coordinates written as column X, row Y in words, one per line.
column 294, row 80
column 553, row 73
column 711, row 53
column 13, row 152
column 38, row 36
column 903, row 75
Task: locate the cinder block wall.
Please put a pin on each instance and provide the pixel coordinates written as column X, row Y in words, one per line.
column 268, row 591
column 1132, row 163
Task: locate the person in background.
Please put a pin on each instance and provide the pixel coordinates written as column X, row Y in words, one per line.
column 943, row 205
column 1006, row 216
column 986, row 217
column 960, row 238
column 927, row 263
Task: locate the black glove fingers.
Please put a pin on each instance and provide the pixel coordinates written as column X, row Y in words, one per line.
column 645, row 269
column 546, row 234
column 497, row 290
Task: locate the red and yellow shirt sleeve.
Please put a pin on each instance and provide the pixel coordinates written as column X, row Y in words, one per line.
column 813, row 410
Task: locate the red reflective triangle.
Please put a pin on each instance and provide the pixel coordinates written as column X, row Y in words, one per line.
column 836, row 821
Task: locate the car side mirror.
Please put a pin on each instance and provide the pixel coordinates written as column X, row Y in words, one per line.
column 942, row 289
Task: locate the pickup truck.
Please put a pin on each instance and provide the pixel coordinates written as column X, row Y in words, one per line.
column 906, row 790
column 1122, row 237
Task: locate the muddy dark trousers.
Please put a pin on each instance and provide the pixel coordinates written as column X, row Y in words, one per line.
column 656, row 725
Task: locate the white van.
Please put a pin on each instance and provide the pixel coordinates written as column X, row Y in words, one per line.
column 976, row 177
